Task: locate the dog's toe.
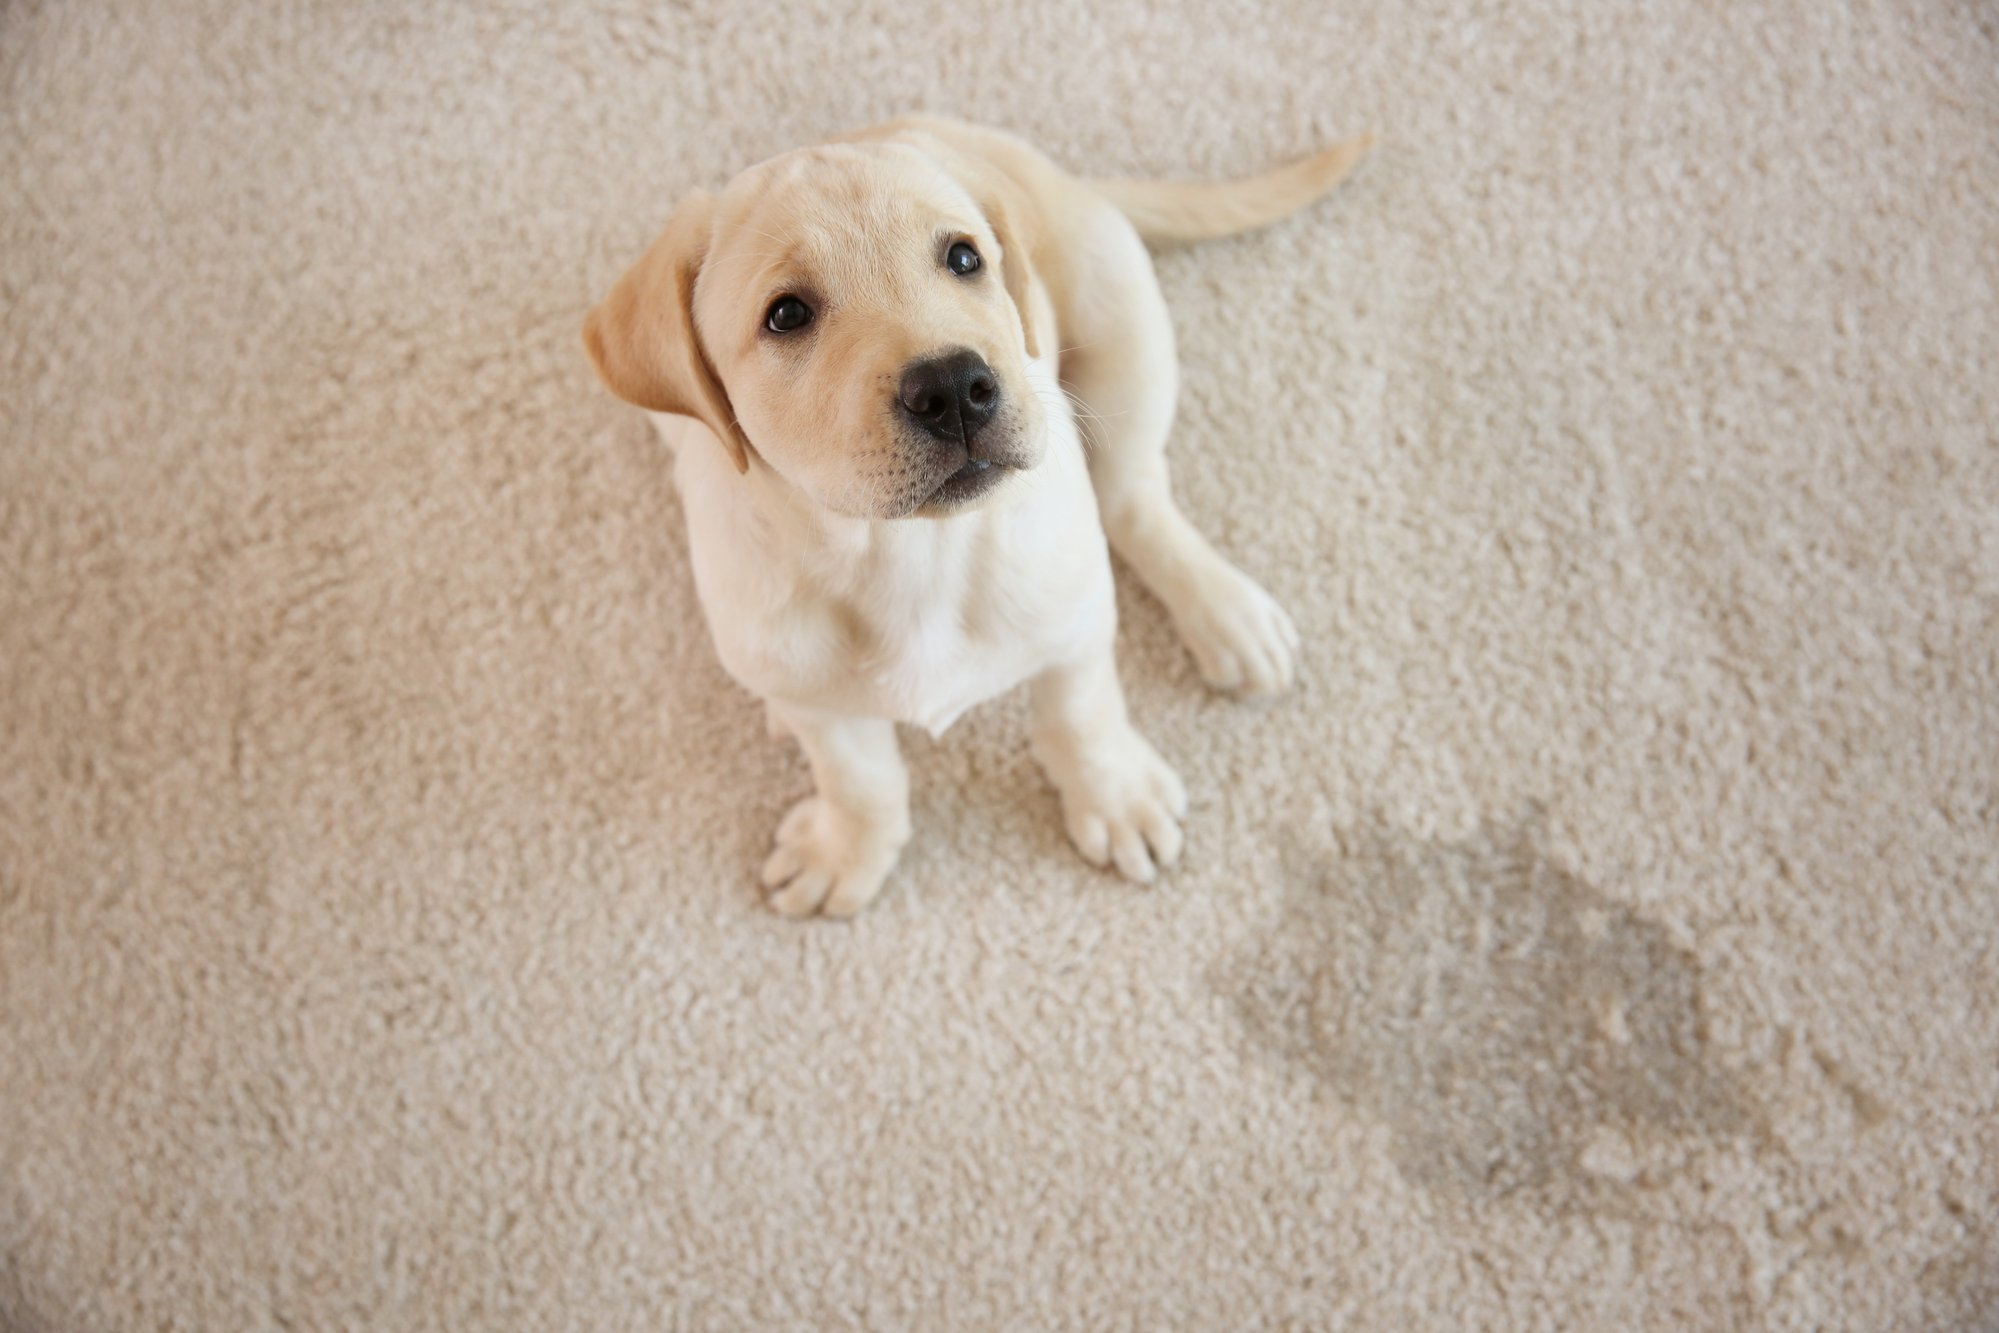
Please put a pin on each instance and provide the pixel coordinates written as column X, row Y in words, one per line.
column 1241, row 639
column 826, row 861
column 1123, row 809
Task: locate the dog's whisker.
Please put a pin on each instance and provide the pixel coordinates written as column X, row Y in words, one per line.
column 1080, row 407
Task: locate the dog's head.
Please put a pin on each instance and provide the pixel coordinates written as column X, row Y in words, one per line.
column 856, row 315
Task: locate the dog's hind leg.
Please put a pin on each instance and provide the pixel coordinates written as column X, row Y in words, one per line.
column 1119, row 361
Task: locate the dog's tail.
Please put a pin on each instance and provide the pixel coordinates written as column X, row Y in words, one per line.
column 1201, row 211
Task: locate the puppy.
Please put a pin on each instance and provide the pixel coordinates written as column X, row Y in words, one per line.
column 864, row 357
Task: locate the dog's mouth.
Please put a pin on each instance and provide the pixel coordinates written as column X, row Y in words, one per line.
column 967, row 484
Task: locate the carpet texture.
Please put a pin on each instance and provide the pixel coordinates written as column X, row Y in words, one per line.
column 1604, row 936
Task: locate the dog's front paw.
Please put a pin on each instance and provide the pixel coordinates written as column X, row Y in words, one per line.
column 828, row 860
column 1240, row 637
column 1123, row 805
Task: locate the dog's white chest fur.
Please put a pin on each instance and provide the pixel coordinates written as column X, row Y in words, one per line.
column 912, row 619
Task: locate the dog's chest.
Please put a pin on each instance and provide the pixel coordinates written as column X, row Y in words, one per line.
column 931, row 620
column 916, row 620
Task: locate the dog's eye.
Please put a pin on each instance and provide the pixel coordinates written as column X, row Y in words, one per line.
column 962, row 259
column 787, row 313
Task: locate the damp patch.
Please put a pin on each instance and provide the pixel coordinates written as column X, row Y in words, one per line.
column 1514, row 1029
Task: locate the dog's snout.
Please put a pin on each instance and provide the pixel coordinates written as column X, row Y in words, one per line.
column 953, row 396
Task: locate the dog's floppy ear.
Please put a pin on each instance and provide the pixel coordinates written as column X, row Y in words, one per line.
column 1013, row 218
column 642, row 338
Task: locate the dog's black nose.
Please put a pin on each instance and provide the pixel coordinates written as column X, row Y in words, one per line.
column 952, row 396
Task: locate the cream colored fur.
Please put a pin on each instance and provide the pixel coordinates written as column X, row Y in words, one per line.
column 835, row 588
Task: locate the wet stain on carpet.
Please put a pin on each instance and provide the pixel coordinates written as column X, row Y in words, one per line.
column 1517, row 1031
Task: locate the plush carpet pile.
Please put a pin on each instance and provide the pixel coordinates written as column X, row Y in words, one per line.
column 1604, row 936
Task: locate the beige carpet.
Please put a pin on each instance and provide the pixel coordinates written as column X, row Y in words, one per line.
column 1605, row 936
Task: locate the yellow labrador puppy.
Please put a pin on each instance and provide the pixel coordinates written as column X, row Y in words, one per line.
column 863, row 355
